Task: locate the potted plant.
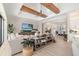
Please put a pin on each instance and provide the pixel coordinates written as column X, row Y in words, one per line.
column 10, row 28
column 27, row 47
column 10, row 31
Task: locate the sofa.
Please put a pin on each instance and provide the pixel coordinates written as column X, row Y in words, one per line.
column 15, row 46
column 11, row 46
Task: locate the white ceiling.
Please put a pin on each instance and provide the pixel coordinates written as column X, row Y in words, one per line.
column 14, row 9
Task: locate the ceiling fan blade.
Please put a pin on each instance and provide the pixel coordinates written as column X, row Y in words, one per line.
column 29, row 10
column 52, row 7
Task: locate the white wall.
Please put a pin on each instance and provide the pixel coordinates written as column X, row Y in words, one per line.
column 18, row 22
column 2, row 12
column 4, row 49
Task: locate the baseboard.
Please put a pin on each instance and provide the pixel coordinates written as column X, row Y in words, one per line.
column 16, row 53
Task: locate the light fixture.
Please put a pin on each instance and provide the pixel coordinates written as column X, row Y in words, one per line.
column 41, row 9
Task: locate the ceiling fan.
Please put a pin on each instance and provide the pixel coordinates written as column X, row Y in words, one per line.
column 32, row 11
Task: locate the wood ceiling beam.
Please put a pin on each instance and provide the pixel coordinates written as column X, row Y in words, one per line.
column 51, row 7
column 29, row 10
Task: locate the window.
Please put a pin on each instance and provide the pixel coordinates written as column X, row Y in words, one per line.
column 1, row 30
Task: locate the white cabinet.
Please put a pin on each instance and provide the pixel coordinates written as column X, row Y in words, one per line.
column 75, row 50
column 75, row 45
column 73, row 24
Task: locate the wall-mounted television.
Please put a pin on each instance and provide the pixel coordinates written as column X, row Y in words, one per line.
column 27, row 27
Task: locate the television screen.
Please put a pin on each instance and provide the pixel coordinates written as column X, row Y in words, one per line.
column 27, row 27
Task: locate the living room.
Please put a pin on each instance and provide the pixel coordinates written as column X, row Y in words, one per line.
column 53, row 26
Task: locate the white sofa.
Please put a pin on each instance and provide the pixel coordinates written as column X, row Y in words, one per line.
column 11, row 47
column 15, row 46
